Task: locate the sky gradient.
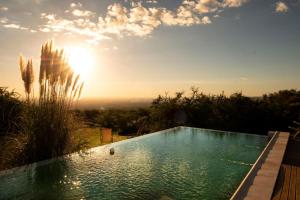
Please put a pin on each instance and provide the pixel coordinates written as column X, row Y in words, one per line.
column 145, row 48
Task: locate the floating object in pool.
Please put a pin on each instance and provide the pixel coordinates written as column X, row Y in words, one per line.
column 111, row 151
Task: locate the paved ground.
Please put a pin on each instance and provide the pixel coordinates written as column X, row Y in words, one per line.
column 288, row 182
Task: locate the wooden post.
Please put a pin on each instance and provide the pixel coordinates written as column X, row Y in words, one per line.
column 106, row 135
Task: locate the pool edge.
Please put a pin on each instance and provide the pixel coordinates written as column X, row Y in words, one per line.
column 247, row 187
column 91, row 150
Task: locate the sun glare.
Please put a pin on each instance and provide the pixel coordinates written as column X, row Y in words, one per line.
column 81, row 60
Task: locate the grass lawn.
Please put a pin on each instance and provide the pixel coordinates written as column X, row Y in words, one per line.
column 88, row 134
column 92, row 136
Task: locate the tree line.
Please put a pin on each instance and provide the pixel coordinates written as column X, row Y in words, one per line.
column 237, row 112
column 20, row 121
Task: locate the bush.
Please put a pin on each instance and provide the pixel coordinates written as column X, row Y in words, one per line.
column 10, row 111
column 237, row 112
column 275, row 111
column 48, row 122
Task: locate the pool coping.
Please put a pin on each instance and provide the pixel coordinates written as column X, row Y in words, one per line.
column 260, row 173
column 110, row 145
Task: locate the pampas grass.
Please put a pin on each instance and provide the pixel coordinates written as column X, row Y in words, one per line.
column 27, row 75
column 48, row 122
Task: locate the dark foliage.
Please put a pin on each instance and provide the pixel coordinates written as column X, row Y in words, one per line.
column 10, row 112
column 124, row 122
column 237, row 112
column 275, row 111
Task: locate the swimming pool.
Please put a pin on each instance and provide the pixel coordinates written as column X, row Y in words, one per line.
column 178, row 163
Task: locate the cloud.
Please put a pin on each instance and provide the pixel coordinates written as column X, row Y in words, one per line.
column 207, row 6
column 167, row 17
column 134, row 19
column 3, row 8
column 3, row 20
column 78, row 10
column 206, row 20
column 138, row 13
column 74, row 5
column 117, row 15
column 45, row 30
column 9, row 24
column 244, row 78
column 14, row 26
column 152, row 1
column 38, row 1
column 28, row 13
column 120, row 21
column 281, row 7
column 82, row 13
column 233, row 3
column 185, row 17
column 212, row 6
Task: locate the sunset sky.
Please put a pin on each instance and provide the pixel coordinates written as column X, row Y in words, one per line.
column 144, row 48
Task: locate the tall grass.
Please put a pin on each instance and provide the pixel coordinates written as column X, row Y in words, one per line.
column 48, row 121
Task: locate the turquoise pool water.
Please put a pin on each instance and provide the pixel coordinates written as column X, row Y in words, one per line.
column 180, row 163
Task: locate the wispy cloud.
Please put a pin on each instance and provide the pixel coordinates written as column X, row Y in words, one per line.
column 3, row 20
column 78, row 10
column 281, row 7
column 6, row 23
column 3, row 8
column 152, row 1
column 15, row 26
column 119, row 20
column 244, row 78
column 206, row 20
column 233, row 3
column 210, row 6
column 135, row 19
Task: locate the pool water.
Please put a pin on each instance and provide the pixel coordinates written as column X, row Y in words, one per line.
column 179, row 163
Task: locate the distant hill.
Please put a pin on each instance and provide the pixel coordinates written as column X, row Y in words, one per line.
column 107, row 103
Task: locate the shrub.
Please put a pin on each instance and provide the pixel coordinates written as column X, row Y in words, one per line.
column 10, row 109
column 48, row 121
column 237, row 112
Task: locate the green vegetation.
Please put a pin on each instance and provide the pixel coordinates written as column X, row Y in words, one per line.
column 123, row 121
column 49, row 123
column 46, row 124
column 234, row 113
column 275, row 111
column 10, row 125
column 45, row 128
column 40, row 128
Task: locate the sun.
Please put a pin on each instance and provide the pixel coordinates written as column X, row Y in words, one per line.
column 81, row 60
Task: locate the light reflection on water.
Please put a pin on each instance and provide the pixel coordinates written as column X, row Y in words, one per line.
column 184, row 164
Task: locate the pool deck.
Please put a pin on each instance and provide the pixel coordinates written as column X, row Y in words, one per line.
column 261, row 179
column 288, row 181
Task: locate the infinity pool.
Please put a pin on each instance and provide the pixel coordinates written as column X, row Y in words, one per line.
column 179, row 163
